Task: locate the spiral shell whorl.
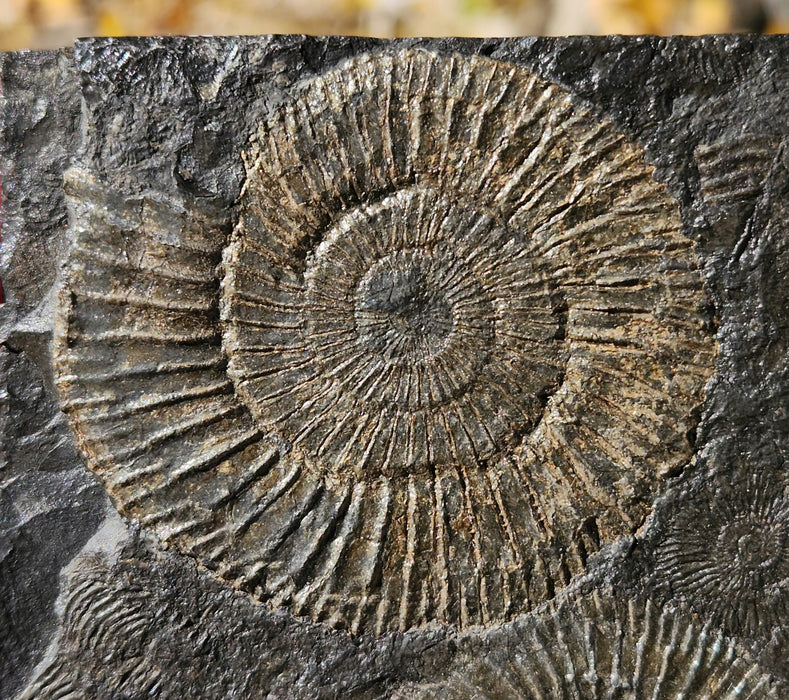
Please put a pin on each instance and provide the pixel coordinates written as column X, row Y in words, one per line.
column 402, row 323
column 457, row 343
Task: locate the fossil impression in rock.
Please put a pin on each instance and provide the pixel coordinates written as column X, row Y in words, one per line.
column 453, row 344
column 726, row 552
column 597, row 646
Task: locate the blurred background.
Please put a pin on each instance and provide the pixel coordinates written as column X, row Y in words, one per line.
column 54, row 23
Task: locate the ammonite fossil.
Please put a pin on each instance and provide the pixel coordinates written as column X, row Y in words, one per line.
column 597, row 646
column 453, row 345
column 726, row 551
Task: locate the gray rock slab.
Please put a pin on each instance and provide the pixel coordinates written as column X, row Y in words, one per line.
column 51, row 504
column 690, row 596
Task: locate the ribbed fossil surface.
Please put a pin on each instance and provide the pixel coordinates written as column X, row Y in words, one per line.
column 732, row 174
column 726, row 552
column 597, row 646
column 453, row 344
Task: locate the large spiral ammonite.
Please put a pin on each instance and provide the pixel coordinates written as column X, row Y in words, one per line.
column 453, row 345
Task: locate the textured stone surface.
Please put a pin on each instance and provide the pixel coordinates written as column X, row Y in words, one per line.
column 667, row 511
column 50, row 505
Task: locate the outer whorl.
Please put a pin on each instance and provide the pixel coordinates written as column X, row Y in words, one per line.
column 459, row 342
column 596, row 646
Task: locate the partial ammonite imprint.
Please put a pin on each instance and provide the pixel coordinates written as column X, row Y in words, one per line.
column 732, row 172
column 726, row 552
column 598, row 646
column 458, row 343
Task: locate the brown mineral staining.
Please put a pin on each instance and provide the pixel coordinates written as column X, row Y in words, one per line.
column 597, row 646
column 458, row 343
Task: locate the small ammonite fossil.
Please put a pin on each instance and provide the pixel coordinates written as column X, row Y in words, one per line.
column 726, row 551
column 452, row 346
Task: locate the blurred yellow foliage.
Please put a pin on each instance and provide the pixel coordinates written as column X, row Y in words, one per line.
column 663, row 16
column 12, row 13
column 710, row 17
column 52, row 23
column 109, row 24
column 53, row 12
